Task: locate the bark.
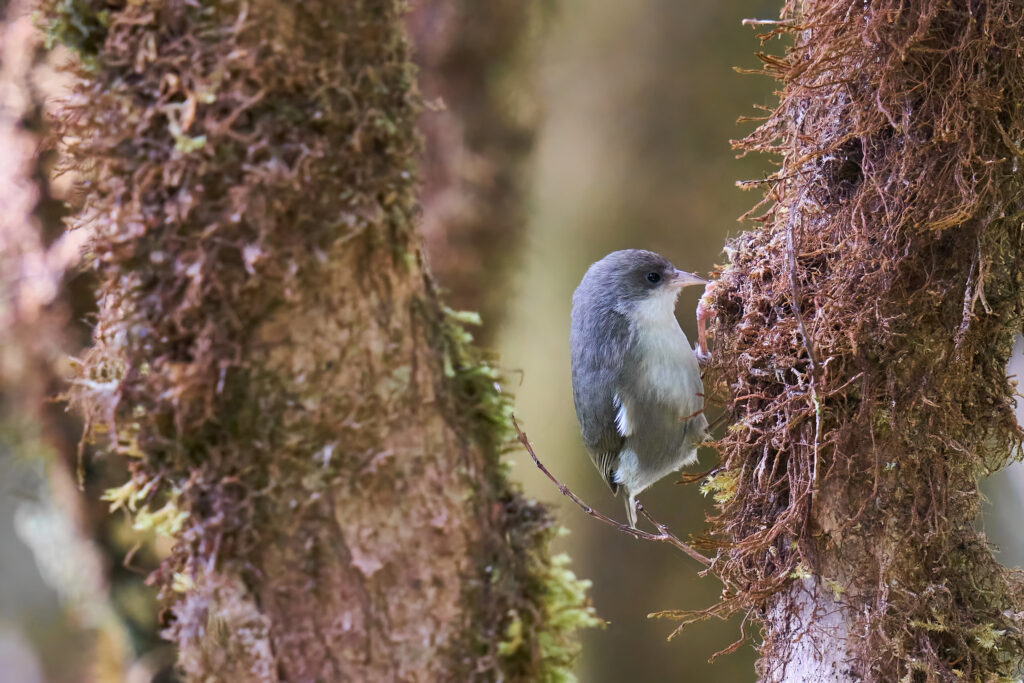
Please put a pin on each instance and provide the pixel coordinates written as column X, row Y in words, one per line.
column 308, row 421
column 862, row 336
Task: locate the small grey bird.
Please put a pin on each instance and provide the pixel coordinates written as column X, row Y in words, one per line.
column 635, row 380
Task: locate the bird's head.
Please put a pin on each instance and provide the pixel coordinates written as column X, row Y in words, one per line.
column 636, row 281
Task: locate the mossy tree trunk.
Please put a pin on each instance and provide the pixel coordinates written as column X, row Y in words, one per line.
column 308, row 420
column 861, row 342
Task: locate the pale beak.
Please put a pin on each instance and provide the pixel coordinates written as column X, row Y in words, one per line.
column 683, row 279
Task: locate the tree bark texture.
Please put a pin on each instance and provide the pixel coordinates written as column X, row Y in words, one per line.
column 46, row 301
column 308, row 420
column 861, row 341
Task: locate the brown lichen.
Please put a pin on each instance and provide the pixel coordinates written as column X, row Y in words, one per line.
column 863, row 333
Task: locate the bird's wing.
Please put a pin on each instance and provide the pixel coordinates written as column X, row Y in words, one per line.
column 604, row 423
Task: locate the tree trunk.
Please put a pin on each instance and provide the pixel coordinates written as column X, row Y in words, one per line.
column 861, row 343
column 309, row 422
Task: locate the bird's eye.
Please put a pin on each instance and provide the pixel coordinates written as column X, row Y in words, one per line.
column 654, row 278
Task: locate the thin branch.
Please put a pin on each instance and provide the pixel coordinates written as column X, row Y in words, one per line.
column 663, row 535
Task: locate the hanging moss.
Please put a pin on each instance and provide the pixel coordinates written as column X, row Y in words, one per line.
column 863, row 330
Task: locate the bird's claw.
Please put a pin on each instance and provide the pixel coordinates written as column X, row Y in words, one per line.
column 704, row 311
column 703, row 356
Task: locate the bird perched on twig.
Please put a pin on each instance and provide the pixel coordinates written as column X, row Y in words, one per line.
column 635, row 380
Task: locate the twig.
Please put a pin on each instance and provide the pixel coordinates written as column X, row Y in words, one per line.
column 718, row 421
column 663, row 535
column 691, row 415
column 686, row 478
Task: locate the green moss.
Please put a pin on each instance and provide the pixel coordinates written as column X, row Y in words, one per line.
column 475, row 382
column 800, row 572
column 566, row 604
column 79, row 25
column 187, row 145
column 836, row 588
column 722, row 486
column 540, row 604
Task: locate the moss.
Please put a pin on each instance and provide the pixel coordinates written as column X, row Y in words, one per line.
column 80, row 25
column 478, row 400
column 536, row 603
column 876, row 300
column 274, row 358
column 721, row 486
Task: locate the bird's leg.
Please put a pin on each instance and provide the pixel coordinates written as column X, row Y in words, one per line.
column 631, row 506
column 704, row 311
column 702, row 341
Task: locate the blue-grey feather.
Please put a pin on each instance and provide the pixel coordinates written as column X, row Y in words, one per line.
column 622, row 358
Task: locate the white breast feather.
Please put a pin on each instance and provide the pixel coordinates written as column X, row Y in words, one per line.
column 668, row 361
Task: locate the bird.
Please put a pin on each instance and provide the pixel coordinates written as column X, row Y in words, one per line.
column 635, row 379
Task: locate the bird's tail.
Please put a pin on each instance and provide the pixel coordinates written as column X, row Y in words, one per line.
column 607, row 465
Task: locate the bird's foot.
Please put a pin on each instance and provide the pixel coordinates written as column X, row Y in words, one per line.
column 702, row 354
column 632, row 506
column 704, row 311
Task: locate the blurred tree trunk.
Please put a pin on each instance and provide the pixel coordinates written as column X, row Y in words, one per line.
column 479, row 131
column 38, row 316
column 469, row 54
column 307, row 420
column 46, row 300
column 862, row 336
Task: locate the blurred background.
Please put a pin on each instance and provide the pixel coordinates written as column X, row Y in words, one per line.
column 606, row 126
column 640, row 103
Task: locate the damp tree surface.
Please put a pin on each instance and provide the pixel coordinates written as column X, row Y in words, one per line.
column 862, row 334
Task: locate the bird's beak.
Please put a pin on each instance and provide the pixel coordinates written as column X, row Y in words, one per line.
column 683, row 279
